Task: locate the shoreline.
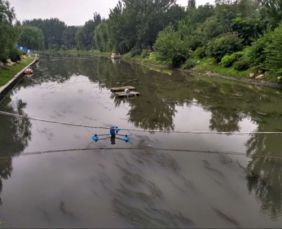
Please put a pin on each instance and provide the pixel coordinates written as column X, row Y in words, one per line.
column 16, row 78
column 214, row 75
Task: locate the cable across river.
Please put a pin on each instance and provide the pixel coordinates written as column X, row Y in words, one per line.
column 142, row 149
column 134, row 130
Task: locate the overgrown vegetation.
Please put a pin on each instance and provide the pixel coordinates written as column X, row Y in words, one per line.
column 239, row 34
column 236, row 35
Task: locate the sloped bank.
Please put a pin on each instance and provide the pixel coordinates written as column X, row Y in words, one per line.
column 12, row 82
column 194, row 71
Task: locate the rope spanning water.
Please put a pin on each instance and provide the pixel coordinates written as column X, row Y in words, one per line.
column 134, row 130
column 142, row 149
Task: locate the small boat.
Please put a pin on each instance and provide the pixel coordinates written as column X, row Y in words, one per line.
column 116, row 89
column 28, row 71
column 115, row 56
column 130, row 94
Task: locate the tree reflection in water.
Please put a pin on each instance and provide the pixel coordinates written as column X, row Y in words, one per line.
column 135, row 198
column 225, row 120
column 228, row 104
column 264, row 175
column 15, row 137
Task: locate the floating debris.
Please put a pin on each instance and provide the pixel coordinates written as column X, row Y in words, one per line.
column 198, row 91
column 116, row 89
column 257, row 119
column 261, row 113
column 130, row 94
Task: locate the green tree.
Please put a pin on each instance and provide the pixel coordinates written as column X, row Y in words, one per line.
column 170, row 46
column 85, row 36
column 273, row 51
column 201, row 14
column 68, row 37
column 31, row 37
column 7, row 14
column 274, row 10
column 79, row 38
column 8, row 33
column 191, row 3
column 101, row 37
column 135, row 24
column 227, row 43
column 52, row 29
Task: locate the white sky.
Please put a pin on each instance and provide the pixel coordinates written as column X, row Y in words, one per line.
column 72, row 12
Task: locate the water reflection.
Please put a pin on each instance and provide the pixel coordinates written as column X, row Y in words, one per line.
column 264, row 175
column 225, row 120
column 136, row 197
column 14, row 136
column 228, row 105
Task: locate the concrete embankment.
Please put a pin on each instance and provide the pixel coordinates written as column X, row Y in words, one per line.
column 8, row 86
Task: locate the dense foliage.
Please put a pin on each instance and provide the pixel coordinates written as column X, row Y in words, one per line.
column 52, row 29
column 174, row 32
column 135, row 24
column 31, row 37
column 8, row 33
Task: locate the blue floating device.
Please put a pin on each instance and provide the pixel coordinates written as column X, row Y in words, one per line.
column 114, row 131
column 126, row 138
column 95, row 138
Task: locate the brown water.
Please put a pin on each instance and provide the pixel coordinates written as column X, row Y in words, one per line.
column 206, row 186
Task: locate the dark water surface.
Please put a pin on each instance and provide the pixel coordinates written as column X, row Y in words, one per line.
column 139, row 186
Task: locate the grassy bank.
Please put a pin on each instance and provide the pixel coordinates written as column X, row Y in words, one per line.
column 8, row 73
column 77, row 52
column 150, row 58
column 209, row 65
column 205, row 65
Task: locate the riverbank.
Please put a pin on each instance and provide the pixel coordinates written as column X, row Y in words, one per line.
column 77, row 52
column 10, row 75
column 208, row 67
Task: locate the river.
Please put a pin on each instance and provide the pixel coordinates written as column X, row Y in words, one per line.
column 54, row 175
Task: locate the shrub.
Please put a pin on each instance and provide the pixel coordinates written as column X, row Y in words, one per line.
column 273, row 52
column 14, row 55
column 227, row 43
column 241, row 65
column 228, row 60
column 238, row 55
column 171, row 47
column 144, row 53
column 3, row 59
column 135, row 52
column 200, row 52
column 255, row 54
column 178, row 59
column 189, row 64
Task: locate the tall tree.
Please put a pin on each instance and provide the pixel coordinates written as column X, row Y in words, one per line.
column 68, row 37
column 52, row 29
column 7, row 14
column 85, row 35
column 7, row 32
column 191, row 3
column 274, row 10
column 136, row 24
column 31, row 37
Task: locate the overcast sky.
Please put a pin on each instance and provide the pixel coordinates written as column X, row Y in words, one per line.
column 72, row 12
